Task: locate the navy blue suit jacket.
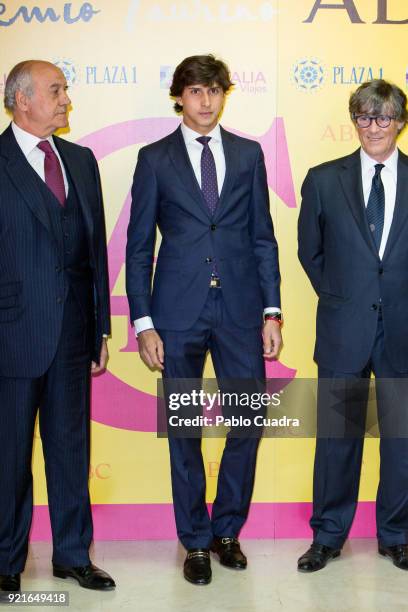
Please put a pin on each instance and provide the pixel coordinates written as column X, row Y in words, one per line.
column 239, row 237
column 339, row 256
column 32, row 279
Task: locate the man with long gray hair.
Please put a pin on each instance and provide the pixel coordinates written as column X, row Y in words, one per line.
column 353, row 245
column 54, row 312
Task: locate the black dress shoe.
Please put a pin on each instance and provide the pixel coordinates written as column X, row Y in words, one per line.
column 398, row 554
column 316, row 557
column 10, row 583
column 197, row 566
column 88, row 576
column 229, row 552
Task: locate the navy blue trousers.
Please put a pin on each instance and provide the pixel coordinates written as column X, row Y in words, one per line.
column 236, row 353
column 62, row 397
column 338, row 459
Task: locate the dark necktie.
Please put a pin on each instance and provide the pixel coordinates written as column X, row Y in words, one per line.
column 376, row 205
column 52, row 171
column 209, row 185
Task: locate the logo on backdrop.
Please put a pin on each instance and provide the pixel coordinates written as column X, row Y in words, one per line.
column 246, row 81
column 308, row 74
column 114, row 400
column 69, row 70
column 166, row 76
column 190, row 12
column 355, row 75
column 97, row 75
column 69, row 14
column 250, row 81
column 3, row 78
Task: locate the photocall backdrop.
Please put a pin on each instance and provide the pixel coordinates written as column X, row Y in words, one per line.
column 294, row 64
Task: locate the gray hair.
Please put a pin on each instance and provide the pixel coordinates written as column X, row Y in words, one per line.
column 377, row 95
column 19, row 79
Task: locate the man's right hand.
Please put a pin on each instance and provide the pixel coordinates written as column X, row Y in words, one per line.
column 151, row 348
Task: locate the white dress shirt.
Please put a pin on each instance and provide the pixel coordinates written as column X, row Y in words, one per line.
column 194, row 150
column 35, row 157
column 389, row 180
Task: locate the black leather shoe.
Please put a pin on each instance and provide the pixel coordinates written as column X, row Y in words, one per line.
column 10, row 583
column 197, row 566
column 89, row 576
column 316, row 557
column 229, row 552
column 398, row 554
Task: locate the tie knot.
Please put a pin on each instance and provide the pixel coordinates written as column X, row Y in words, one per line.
column 45, row 147
column 204, row 140
column 378, row 168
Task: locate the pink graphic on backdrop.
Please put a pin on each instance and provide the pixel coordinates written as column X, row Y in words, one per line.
column 116, row 403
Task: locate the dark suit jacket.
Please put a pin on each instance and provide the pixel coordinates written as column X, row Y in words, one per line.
column 32, row 278
column 239, row 237
column 338, row 254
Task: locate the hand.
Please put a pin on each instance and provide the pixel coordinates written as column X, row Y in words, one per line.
column 272, row 339
column 103, row 359
column 151, row 348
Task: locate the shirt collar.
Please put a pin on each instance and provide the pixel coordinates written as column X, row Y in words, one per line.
column 190, row 135
column 368, row 163
column 26, row 141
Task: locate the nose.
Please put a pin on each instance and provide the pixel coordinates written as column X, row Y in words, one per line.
column 65, row 100
column 373, row 127
column 205, row 100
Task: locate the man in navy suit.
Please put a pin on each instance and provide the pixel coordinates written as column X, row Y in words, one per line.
column 54, row 312
column 353, row 245
column 217, row 278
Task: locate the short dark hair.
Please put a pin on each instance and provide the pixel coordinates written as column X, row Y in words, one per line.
column 199, row 70
column 373, row 96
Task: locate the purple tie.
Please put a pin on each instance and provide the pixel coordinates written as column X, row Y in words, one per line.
column 209, row 185
column 53, row 173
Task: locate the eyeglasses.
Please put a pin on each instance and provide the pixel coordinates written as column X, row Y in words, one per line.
column 364, row 121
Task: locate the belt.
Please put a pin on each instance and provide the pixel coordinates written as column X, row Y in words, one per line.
column 215, row 282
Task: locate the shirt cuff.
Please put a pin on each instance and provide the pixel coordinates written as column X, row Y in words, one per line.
column 272, row 310
column 142, row 325
column 105, row 336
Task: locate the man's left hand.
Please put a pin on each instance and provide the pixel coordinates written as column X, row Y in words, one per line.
column 272, row 339
column 103, row 359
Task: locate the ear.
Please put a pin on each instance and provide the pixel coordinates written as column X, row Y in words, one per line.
column 401, row 125
column 22, row 101
column 179, row 101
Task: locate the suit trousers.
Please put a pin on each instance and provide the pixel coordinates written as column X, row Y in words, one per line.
column 236, row 354
column 61, row 396
column 338, row 459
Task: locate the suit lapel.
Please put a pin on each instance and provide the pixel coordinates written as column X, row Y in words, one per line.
column 401, row 204
column 350, row 178
column 179, row 156
column 74, row 168
column 231, row 153
column 23, row 177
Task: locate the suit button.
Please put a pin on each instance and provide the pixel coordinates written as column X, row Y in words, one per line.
column 59, row 300
column 374, row 307
column 213, row 228
column 208, row 260
column 381, row 271
column 57, row 269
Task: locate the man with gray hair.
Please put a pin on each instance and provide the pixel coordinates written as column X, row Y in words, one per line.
column 353, row 245
column 54, row 314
